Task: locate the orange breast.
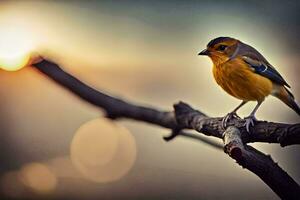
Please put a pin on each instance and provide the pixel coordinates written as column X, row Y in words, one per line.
column 237, row 79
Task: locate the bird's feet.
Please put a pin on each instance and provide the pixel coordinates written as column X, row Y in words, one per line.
column 249, row 121
column 227, row 118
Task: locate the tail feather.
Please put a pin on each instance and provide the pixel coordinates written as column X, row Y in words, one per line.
column 288, row 98
column 292, row 104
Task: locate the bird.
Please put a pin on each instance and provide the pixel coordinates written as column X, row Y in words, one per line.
column 245, row 74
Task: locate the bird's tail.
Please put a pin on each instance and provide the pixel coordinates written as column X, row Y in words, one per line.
column 288, row 98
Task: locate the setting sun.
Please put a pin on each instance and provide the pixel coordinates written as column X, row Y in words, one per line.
column 14, row 62
column 15, row 49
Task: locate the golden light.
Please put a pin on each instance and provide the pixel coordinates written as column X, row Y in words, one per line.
column 38, row 177
column 103, row 151
column 16, row 46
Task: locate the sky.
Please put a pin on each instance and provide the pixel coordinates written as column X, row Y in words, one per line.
column 145, row 52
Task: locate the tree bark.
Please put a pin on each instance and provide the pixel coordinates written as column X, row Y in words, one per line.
column 235, row 137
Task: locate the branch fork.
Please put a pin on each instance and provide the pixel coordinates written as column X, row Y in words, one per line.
column 235, row 137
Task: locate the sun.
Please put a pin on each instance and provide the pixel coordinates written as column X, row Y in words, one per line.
column 15, row 49
column 14, row 61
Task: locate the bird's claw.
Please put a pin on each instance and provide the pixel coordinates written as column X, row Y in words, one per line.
column 228, row 117
column 249, row 121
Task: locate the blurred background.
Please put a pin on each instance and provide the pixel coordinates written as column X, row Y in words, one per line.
column 55, row 146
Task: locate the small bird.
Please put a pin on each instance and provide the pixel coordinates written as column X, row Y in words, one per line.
column 245, row 74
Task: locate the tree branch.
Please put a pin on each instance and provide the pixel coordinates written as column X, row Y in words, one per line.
column 260, row 164
column 284, row 134
column 185, row 117
column 114, row 107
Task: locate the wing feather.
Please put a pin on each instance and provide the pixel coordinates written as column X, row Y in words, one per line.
column 265, row 69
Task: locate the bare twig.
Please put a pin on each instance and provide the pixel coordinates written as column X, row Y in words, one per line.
column 203, row 139
column 185, row 117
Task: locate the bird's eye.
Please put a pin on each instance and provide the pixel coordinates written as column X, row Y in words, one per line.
column 222, row 47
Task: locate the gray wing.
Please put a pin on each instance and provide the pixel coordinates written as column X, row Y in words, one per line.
column 259, row 64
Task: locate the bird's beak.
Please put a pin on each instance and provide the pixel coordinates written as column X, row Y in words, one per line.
column 205, row 52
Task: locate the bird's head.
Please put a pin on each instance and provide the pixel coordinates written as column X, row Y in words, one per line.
column 221, row 49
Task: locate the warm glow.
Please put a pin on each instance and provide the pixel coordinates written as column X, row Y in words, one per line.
column 38, row 178
column 103, row 151
column 15, row 48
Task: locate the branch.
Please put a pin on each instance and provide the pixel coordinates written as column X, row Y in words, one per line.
column 260, row 164
column 203, row 139
column 114, row 107
column 284, row 134
column 185, row 117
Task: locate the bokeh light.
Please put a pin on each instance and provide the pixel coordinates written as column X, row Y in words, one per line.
column 103, row 151
column 15, row 48
column 11, row 185
column 147, row 53
column 38, row 178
